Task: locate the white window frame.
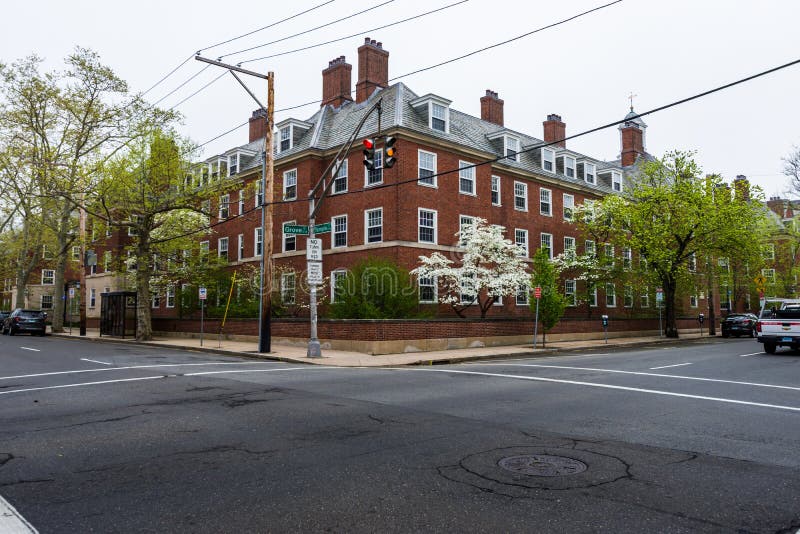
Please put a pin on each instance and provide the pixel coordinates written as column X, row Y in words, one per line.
column 375, row 176
column 430, row 283
column 170, row 296
column 224, row 210
column 769, row 251
column 546, row 241
column 587, row 175
column 43, row 299
column 570, row 246
column 570, row 163
column 769, row 274
column 446, row 118
column 644, row 299
column 240, row 247
column 434, row 216
column 155, row 300
column 289, row 290
column 570, row 292
column 367, row 226
column 287, row 238
column 334, row 275
column 339, row 178
column 48, row 274
column 287, row 137
column 590, row 247
column 627, row 258
column 616, row 181
column 466, row 175
column 258, row 197
column 592, row 297
column 627, row 296
column 549, row 156
column 693, row 301
column 511, row 145
column 223, row 246
column 521, row 241
column 545, row 202
column 289, row 181
column 569, row 204
column 334, row 232
column 523, row 188
column 525, row 292
column 464, row 220
column 92, row 297
column 258, row 242
column 422, row 154
column 496, row 191
column 233, row 169
column 611, row 296
column 241, row 201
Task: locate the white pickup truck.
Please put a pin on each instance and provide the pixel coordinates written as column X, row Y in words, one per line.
column 779, row 324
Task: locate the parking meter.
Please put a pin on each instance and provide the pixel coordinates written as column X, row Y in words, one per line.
column 604, row 319
column 700, row 318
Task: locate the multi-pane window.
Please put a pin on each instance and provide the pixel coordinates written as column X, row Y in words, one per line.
column 520, row 196
column 590, row 173
column 468, row 293
column 374, row 225
column 644, row 300
column 512, row 148
column 569, row 166
column 340, row 181
column 521, row 240
column 76, row 253
column 609, row 250
column 616, row 181
column 426, row 168
column 155, row 300
column 224, row 203
column 241, row 201
column 495, row 190
column 464, row 221
column 375, row 175
column 240, row 247
column 547, row 244
column 338, row 283
column 466, row 178
column 170, row 296
column 222, row 247
column 46, row 302
column 545, row 202
column 427, row 226
column 628, row 296
column 589, row 248
column 692, row 263
column 611, row 295
column 769, row 274
column 259, row 196
column 233, row 164
column 549, row 159
column 106, row 260
column 438, row 117
column 627, row 258
column 569, row 292
column 592, row 296
column 521, row 296
column 339, row 231
column 92, row 297
column 290, row 185
column 569, row 206
column 48, row 277
column 289, row 240
column 569, row 247
column 769, row 251
column 427, row 289
column 258, row 242
column 288, row 286
column 286, row 138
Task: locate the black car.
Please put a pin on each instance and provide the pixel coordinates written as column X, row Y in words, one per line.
column 3, row 316
column 737, row 324
column 30, row 321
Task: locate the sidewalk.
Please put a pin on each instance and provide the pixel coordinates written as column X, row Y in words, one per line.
column 341, row 358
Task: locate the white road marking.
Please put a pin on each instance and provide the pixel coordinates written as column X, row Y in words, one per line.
column 81, row 384
column 752, row 354
column 261, row 370
column 700, row 379
column 28, row 348
column 604, row 386
column 95, row 361
column 668, row 366
column 11, row 522
column 76, row 371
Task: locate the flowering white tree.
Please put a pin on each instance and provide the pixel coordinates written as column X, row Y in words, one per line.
column 490, row 267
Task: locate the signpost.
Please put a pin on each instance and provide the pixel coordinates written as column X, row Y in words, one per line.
column 659, row 302
column 314, row 273
column 296, row 229
column 314, row 249
column 202, row 296
column 537, row 294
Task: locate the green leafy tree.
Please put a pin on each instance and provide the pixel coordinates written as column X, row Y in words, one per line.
column 552, row 303
column 670, row 214
column 375, row 288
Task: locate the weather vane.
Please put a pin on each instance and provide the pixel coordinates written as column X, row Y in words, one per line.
column 630, row 97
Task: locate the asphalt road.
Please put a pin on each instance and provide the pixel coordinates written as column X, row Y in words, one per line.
column 694, row 437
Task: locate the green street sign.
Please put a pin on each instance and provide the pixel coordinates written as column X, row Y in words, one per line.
column 323, row 228
column 299, row 229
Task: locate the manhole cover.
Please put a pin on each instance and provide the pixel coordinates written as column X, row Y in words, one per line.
column 542, row 465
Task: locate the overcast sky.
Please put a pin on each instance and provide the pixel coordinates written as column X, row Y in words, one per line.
column 583, row 70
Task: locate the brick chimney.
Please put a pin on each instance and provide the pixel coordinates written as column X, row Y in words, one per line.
column 631, row 134
column 555, row 130
column 492, row 108
column 373, row 68
column 741, row 187
column 258, row 125
column 336, row 83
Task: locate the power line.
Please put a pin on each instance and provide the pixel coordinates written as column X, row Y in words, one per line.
column 203, row 88
column 307, row 31
column 181, row 85
column 353, row 34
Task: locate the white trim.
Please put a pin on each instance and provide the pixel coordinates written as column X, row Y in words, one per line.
column 465, row 166
column 435, row 166
column 525, row 196
column 497, row 180
column 333, row 231
column 367, row 227
column 549, row 203
column 434, row 228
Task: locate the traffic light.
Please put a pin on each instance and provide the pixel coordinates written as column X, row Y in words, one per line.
column 389, row 152
column 369, row 154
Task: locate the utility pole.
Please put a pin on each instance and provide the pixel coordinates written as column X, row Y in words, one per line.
column 267, row 191
column 83, row 291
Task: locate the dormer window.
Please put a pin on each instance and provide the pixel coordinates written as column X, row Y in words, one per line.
column 616, row 181
column 569, row 166
column 233, row 164
column 590, row 173
column 438, row 117
column 549, row 159
column 437, row 110
column 511, row 148
column 285, row 138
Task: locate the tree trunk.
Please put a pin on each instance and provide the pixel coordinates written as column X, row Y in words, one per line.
column 144, row 325
column 63, row 241
column 712, row 318
column 670, row 321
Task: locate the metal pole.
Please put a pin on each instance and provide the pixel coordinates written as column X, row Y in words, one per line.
column 83, row 290
column 536, row 325
column 314, row 348
column 660, row 329
column 202, row 314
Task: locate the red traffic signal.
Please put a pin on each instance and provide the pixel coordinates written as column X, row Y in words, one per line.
column 369, row 153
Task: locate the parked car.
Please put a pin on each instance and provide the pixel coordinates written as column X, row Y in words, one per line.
column 737, row 324
column 30, row 321
column 3, row 316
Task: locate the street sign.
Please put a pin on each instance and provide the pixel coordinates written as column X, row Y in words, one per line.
column 297, row 229
column 659, row 294
column 760, row 281
column 322, row 228
column 202, row 293
column 72, row 292
column 314, row 272
column 537, row 292
column 314, row 249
